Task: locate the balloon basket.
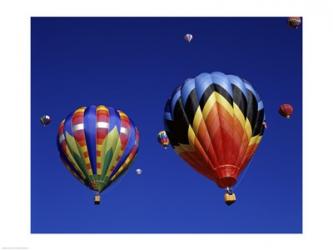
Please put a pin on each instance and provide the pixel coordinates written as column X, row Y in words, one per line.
column 229, row 199
column 97, row 199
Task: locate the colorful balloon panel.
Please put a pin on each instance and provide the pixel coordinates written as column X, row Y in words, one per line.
column 97, row 144
column 215, row 123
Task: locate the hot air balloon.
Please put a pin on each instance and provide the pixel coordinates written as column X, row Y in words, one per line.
column 45, row 120
column 286, row 110
column 138, row 171
column 214, row 123
column 163, row 139
column 294, row 21
column 97, row 144
column 188, row 37
column 264, row 124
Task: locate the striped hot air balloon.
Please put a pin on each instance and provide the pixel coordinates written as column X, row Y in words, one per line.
column 163, row 139
column 97, row 144
column 214, row 122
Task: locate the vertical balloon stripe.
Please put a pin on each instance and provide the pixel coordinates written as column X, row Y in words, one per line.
column 72, row 151
column 130, row 133
column 90, row 126
column 79, row 135
column 65, row 154
column 129, row 153
column 114, row 119
column 129, row 159
column 115, row 149
column 124, row 129
column 125, row 163
column 102, row 115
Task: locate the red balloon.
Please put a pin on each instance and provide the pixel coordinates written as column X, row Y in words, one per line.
column 286, row 110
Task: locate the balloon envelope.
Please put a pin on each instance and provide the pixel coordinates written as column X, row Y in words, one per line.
column 188, row 37
column 45, row 120
column 97, row 144
column 286, row 110
column 294, row 21
column 163, row 139
column 214, row 122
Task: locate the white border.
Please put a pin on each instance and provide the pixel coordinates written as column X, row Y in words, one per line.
column 15, row 123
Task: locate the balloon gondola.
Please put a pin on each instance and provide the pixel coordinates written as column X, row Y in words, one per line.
column 215, row 123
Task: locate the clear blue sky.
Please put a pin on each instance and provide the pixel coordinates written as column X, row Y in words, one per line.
column 134, row 64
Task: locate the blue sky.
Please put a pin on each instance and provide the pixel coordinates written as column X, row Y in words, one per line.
column 134, row 64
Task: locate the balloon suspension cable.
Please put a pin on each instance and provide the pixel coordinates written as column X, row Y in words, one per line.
column 229, row 190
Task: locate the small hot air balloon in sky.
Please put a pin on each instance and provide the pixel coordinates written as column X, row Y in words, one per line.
column 188, row 37
column 138, row 171
column 294, row 21
column 45, row 120
column 163, row 139
column 97, row 144
column 264, row 124
column 214, row 123
column 286, row 110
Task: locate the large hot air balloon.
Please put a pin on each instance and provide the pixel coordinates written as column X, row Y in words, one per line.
column 294, row 21
column 163, row 139
column 97, row 144
column 215, row 123
column 286, row 110
column 45, row 120
column 188, row 37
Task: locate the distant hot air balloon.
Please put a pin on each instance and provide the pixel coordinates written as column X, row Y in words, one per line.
column 45, row 120
column 97, row 144
column 294, row 21
column 286, row 110
column 163, row 139
column 264, row 124
column 188, row 37
column 138, row 171
column 214, row 122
